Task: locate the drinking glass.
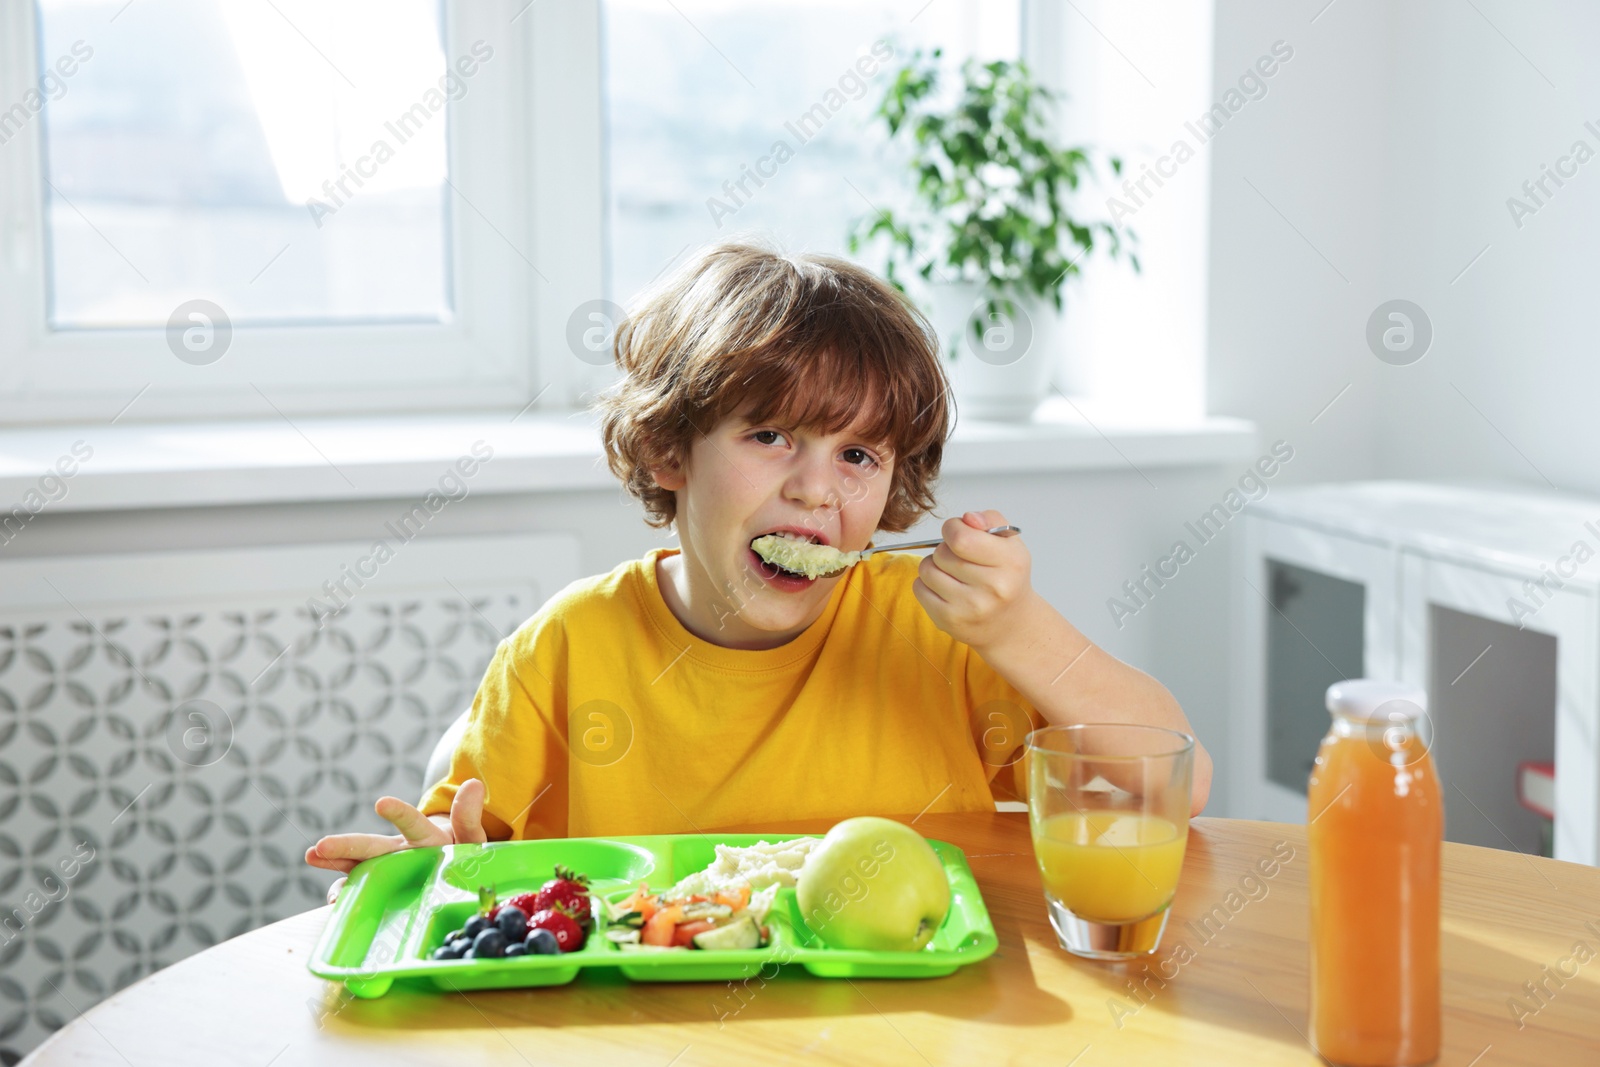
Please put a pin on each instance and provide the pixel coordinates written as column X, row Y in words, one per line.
column 1108, row 804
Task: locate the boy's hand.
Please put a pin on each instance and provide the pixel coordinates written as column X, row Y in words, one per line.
column 341, row 852
column 975, row 585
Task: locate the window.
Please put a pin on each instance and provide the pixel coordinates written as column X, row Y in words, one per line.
column 246, row 209
column 727, row 118
column 182, row 233
column 699, row 93
column 247, row 172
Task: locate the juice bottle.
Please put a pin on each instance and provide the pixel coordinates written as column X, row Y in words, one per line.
column 1375, row 827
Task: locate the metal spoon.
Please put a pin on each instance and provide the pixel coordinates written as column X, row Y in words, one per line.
column 932, row 542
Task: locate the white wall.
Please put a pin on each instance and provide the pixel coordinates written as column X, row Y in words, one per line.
column 1391, row 142
column 1472, row 119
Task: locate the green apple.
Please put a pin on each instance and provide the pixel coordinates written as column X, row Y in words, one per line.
column 873, row 884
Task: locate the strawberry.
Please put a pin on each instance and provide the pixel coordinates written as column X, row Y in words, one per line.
column 567, row 890
column 525, row 901
column 568, row 934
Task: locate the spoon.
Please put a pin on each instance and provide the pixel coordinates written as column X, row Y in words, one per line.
column 850, row 559
column 933, row 542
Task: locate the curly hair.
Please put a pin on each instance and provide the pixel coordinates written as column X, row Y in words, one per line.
column 804, row 340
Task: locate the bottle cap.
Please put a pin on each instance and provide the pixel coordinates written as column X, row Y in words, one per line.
column 1377, row 700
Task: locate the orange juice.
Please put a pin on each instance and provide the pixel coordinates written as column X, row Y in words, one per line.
column 1110, row 866
column 1376, row 823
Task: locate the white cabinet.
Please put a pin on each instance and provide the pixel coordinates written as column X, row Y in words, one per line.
column 1487, row 596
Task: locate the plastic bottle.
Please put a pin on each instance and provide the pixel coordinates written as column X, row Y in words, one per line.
column 1375, row 828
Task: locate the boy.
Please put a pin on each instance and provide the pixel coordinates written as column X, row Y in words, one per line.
column 701, row 687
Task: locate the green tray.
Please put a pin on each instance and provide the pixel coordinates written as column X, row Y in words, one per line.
column 395, row 910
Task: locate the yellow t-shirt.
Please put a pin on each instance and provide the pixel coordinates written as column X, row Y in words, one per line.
column 602, row 716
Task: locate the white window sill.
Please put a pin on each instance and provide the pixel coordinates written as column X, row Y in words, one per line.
column 155, row 465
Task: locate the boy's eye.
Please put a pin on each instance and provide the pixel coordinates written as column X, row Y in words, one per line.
column 866, row 457
column 857, row 457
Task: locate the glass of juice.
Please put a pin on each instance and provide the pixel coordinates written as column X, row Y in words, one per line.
column 1108, row 804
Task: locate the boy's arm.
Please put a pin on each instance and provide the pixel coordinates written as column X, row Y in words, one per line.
column 976, row 588
column 509, row 745
column 1069, row 679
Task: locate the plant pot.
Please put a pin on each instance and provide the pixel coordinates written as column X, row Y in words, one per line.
column 1002, row 371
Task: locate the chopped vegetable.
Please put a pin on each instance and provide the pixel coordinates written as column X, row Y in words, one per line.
column 743, row 934
column 658, row 928
column 724, row 919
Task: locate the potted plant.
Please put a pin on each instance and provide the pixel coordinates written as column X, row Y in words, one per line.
column 988, row 228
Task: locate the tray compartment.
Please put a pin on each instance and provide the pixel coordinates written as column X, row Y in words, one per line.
column 520, row 867
column 514, row 867
column 965, row 935
column 685, row 855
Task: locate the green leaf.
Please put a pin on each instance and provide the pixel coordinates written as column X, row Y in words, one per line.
column 992, row 186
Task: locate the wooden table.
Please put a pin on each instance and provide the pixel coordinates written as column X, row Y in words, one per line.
column 1238, row 998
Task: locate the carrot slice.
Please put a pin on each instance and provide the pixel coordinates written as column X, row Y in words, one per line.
column 735, row 899
column 643, row 901
column 658, row 929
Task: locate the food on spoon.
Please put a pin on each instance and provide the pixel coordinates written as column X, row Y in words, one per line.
column 795, row 554
column 874, row 884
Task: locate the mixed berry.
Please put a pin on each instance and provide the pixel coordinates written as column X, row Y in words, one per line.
column 554, row 919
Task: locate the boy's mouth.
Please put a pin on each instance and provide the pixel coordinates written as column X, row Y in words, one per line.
column 816, row 537
column 782, row 574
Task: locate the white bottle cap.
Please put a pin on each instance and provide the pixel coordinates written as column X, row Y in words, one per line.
column 1376, row 700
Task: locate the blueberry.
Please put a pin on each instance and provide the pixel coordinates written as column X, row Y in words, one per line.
column 475, row 926
column 542, row 942
column 513, row 923
column 443, row 952
column 454, row 935
column 516, row 950
column 489, row 943
column 460, row 945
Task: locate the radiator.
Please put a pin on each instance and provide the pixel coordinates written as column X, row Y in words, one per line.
column 177, row 728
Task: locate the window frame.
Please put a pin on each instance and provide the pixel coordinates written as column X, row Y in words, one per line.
column 524, row 246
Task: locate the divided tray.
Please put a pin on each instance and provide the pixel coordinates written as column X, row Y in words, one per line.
column 395, row 910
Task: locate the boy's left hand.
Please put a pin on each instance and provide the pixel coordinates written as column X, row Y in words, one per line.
column 975, row 585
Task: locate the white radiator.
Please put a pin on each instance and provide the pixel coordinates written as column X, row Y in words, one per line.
column 177, row 728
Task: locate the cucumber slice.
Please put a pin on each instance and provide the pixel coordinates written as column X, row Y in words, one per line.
column 736, row 935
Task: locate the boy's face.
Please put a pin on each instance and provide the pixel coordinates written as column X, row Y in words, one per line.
column 745, row 479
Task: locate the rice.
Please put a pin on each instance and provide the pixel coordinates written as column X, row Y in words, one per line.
column 802, row 557
column 764, row 864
